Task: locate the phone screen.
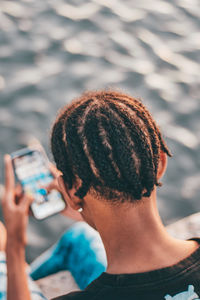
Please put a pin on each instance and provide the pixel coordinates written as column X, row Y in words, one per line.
column 31, row 168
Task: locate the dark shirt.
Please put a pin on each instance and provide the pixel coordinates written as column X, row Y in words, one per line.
column 178, row 282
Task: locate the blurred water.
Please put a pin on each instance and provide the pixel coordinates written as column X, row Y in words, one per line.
column 51, row 51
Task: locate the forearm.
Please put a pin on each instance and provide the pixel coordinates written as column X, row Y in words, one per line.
column 17, row 284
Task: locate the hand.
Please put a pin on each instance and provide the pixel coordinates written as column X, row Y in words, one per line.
column 15, row 207
column 68, row 211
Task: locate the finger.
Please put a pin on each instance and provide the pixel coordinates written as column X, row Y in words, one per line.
column 30, row 213
column 18, row 193
column 9, row 174
column 18, row 190
column 51, row 186
column 2, row 200
column 26, row 201
column 55, row 172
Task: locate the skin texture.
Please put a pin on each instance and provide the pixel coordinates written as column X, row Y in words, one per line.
column 16, row 213
column 125, row 224
column 15, row 210
column 3, row 237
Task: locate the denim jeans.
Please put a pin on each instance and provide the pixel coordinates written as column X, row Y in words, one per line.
column 79, row 250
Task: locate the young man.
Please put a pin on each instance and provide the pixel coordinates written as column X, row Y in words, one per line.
column 112, row 156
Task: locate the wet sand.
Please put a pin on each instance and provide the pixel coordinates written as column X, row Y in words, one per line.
column 52, row 51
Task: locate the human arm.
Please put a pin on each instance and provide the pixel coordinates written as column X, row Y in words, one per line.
column 15, row 210
column 17, row 286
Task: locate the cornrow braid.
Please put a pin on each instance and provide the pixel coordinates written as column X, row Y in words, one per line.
column 143, row 148
column 124, row 156
column 157, row 141
column 59, row 151
column 110, row 142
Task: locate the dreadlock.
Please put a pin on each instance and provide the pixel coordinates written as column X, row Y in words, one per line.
column 110, row 142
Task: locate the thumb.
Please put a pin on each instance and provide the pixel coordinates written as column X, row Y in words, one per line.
column 51, row 186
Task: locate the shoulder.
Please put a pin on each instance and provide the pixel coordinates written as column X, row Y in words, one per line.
column 91, row 290
column 79, row 295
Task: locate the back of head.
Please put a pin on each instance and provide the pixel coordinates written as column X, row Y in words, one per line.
column 110, row 142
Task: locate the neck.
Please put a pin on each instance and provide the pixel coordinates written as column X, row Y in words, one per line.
column 135, row 239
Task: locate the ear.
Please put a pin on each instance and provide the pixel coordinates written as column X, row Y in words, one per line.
column 162, row 165
column 69, row 195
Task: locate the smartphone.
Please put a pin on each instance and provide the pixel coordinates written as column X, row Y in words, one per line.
column 31, row 167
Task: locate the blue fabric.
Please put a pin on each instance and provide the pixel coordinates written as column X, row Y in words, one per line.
column 79, row 250
column 3, row 276
column 2, row 295
column 36, row 293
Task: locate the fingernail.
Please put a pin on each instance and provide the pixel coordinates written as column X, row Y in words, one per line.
column 6, row 157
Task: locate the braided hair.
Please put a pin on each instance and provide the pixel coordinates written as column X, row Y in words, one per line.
column 110, row 142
